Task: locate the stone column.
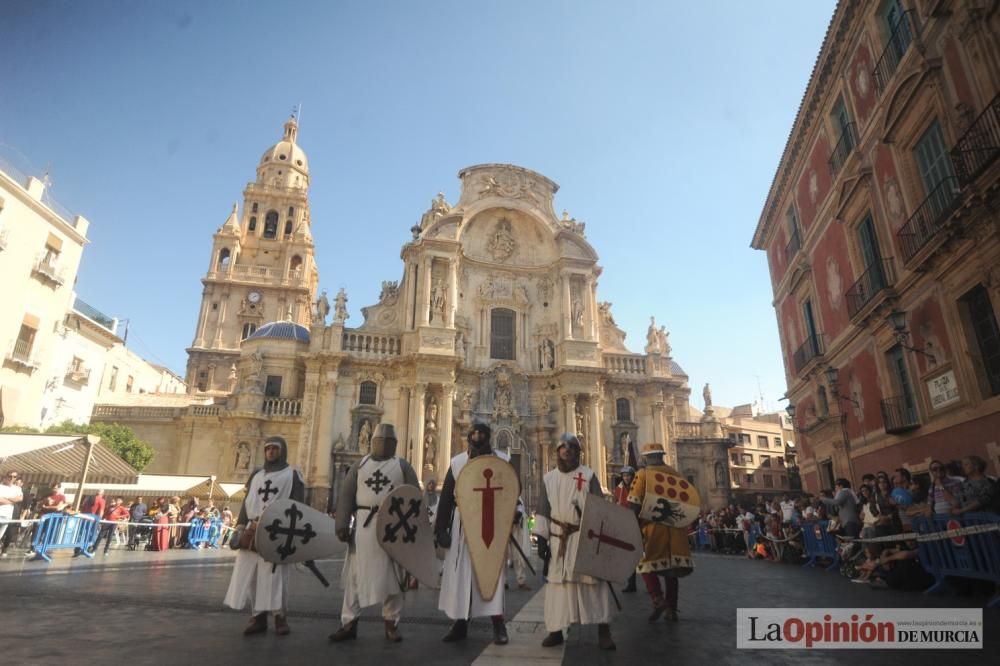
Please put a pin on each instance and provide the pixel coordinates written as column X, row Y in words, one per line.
column 424, row 302
column 403, row 411
column 565, row 416
column 202, row 321
column 444, row 433
column 594, row 442
column 592, row 308
column 567, row 315
column 452, row 292
column 417, row 419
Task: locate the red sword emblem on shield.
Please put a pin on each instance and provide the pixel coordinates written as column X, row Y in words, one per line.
column 610, row 540
column 488, row 509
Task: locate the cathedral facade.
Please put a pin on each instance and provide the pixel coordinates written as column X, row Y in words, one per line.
column 495, row 317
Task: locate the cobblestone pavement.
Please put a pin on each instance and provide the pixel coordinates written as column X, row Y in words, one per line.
column 150, row 608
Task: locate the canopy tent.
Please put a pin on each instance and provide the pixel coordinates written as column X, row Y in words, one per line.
column 152, row 486
column 52, row 459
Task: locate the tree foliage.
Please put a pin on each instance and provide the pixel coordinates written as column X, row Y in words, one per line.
column 120, row 439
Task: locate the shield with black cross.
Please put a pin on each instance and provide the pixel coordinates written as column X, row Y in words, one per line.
column 407, row 536
column 290, row 531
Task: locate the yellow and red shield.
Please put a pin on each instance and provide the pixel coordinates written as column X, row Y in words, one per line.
column 669, row 499
column 486, row 491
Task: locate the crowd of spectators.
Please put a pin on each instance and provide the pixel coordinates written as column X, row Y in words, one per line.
column 131, row 525
column 881, row 505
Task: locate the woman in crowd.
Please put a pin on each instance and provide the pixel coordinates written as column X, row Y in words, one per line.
column 978, row 491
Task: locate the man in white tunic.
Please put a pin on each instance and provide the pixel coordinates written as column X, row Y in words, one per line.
column 256, row 581
column 460, row 598
column 569, row 598
column 370, row 577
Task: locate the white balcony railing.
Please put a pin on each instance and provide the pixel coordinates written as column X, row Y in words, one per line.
column 78, row 374
column 47, row 268
column 20, row 356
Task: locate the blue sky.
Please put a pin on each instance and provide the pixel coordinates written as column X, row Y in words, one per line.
column 662, row 122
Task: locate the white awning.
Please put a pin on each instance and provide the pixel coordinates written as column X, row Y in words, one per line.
column 54, row 458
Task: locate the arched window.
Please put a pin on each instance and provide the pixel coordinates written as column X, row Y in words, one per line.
column 291, row 211
column 288, row 228
column 271, row 224
column 504, row 440
column 248, row 330
column 296, row 264
column 368, row 394
column 254, row 210
column 623, row 409
column 253, row 223
column 223, row 259
column 502, row 333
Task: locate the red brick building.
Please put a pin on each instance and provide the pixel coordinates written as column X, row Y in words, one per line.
column 882, row 233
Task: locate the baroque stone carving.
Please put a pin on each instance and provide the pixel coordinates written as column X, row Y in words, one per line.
column 390, row 293
column 340, row 307
column 544, row 288
column 501, row 245
column 570, row 223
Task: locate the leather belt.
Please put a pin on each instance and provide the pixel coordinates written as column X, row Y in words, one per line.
column 372, row 510
column 567, row 531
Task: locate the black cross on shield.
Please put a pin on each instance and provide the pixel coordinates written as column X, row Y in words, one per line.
column 403, row 522
column 267, row 490
column 275, row 530
column 378, row 481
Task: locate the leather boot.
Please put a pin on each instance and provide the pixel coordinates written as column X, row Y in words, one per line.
column 553, row 639
column 258, row 625
column 500, row 631
column 392, row 632
column 659, row 605
column 347, row 632
column 281, row 627
column 604, row 637
column 458, row 631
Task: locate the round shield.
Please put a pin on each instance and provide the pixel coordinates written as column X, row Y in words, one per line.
column 669, row 499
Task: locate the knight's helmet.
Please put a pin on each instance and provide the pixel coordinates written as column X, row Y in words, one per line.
column 384, row 441
column 484, row 431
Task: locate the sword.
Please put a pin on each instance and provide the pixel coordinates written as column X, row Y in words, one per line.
column 487, row 531
column 521, row 553
column 610, row 540
column 311, row 565
column 611, row 588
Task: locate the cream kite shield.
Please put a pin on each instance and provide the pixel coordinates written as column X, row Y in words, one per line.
column 486, row 492
column 407, row 536
column 291, row 531
column 610, row 543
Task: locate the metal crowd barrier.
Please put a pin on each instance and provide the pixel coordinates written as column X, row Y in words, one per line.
column 61, row 530
column 205, row 532
column 965, row 556
column 819, row 543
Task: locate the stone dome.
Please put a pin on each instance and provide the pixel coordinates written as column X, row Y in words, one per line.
column 287, row 152
column 281, row 330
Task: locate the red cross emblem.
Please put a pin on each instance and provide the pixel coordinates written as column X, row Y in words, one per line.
column 579, row 480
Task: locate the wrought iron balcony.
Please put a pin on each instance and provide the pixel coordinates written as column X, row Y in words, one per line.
column 78, row 375
column 979, row 146
column 899, row 414
column 794, row 243
column 47, row 269
column 929, row 217
column 879, row 276
column 20, row 356
column 895, row 49
column 841, row 151
column 811, row 349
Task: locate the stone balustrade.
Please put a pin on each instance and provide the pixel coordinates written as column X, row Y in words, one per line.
column 206, row 410
column 371, row 344
column 687, row 430
column 625, row 364
column 134, row 412
column 282, row 407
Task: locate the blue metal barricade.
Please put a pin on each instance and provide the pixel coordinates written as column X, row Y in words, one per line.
column 965, row 556
column 702, row 539
column 750, row 537
column 61, row 530
column 204, row 532
column 819, row 543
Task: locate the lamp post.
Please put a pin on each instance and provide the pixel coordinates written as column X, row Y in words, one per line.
column 897, row 319
column 833, row 378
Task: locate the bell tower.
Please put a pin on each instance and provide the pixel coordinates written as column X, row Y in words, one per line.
column 262, row 266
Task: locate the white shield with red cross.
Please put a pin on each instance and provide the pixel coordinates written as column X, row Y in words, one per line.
column 291, row 531
column 669, row 499
column 486, row 491
column 610, row 543
column 407, row 536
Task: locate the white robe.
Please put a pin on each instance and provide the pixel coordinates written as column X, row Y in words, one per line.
column 569, row 598
column 367, row 568
column 460, row 598
column 254, row 579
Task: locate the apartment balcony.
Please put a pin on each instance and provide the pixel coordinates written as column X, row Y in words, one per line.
column 282, row 407
column 979, row 146
column 20, row 356
column 929, row 218
column 895, row 48
column 78, row 375
column 810, row 350
column 899, row 414
column 843, row 149
column 47, row 270
column 794, row 244
column 864, row 294
column 371, row 345
column 625, row 364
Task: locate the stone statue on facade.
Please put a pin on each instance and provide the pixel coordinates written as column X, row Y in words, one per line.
column 430, row 450
column 502, row 244
column 548, row 359
column 256, row 374
column 652, row 338
column 242, row 463
column 706, row 393
column 467, row 401
column 322, row 309
column 604, row 309
column 502, row 396
column 576, row 310
column 439, row 206
column 340, row 307
column 364, row 435
column 430, row 416
column 390, row 292
column 438, row 299
column 661, row 339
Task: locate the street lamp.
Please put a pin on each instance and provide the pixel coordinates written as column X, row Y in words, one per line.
column 833, row 378
column 897, row 320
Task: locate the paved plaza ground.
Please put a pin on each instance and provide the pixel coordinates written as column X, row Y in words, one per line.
column 159, row 608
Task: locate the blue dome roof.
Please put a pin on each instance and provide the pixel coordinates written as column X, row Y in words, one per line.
column 281, row 330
